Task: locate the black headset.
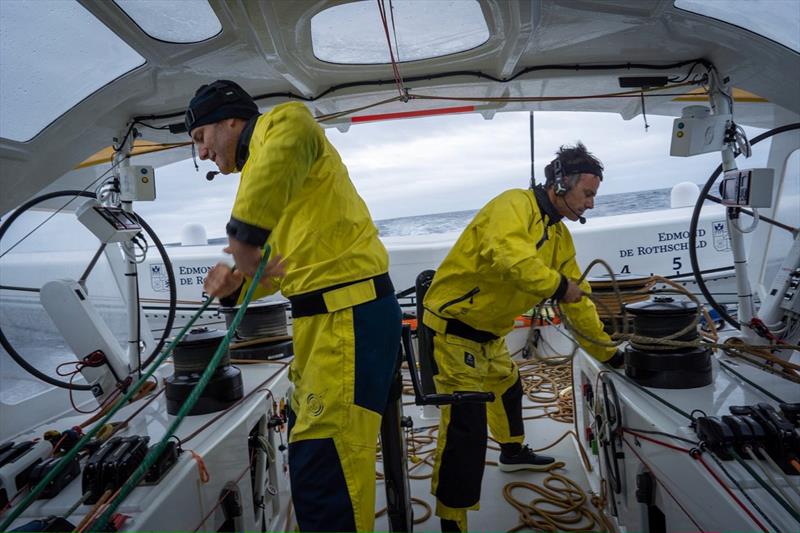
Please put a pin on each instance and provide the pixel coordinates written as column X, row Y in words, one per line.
column 554, row 172
column 557, row 173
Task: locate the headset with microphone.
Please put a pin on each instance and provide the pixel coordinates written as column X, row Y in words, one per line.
column 558, row 173
column 214, row 102
column 581, row 218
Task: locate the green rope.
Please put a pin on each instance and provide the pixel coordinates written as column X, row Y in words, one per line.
column 742, row 491
column 764, row 484
column 155, row 452
column 654, row 396
column 31, row 497
column 725, row 365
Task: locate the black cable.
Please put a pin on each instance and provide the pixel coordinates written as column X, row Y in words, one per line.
column 470, row 73
column 644, row 115
column 708, row 271
column 134, row 242
column 750, row 382
column 173, row 291
column 692, row 417
column 675, row 80
column 613, row 433
column 670, row 435
column 406, row 292
column 746, row 211
column 698, row 206
column 533, row 177
column 151, row 126
column 654, row 396
column 57, row 211
column 118, row 147
column 4, row 342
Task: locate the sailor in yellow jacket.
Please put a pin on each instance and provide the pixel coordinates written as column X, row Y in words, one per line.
column 515, row 253
column 295, row 195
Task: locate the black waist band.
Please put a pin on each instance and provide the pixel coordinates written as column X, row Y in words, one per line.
column 460, row 329
column 313, row 303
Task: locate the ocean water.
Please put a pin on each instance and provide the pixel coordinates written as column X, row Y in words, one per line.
column 50, row 345
column 605, row 205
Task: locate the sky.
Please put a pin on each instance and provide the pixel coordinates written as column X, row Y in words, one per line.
column 442, row 164
column 421, row 166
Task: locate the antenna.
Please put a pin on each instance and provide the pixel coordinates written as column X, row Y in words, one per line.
column 533, row 178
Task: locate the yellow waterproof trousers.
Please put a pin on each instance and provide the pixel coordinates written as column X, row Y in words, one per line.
column 465, row 365
column 342, row 371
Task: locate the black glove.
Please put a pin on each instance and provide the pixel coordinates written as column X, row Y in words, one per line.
column 617, row 360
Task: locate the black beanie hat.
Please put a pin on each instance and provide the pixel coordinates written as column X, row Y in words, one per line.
column 218, row 101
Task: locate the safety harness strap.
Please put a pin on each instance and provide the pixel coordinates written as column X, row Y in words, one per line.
column 452, row 326
column 341, row 296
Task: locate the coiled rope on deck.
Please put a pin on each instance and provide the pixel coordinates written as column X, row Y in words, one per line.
column 561, row 505
column 547, row 387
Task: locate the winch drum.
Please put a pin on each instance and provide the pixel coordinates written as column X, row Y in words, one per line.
column 191, row 357
column 661, row 365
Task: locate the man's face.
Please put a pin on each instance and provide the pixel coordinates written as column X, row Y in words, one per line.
column 580, row 197
column 217, row 142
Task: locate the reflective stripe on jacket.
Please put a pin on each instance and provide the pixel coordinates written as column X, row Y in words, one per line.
column 295, row 192
column 506, row 261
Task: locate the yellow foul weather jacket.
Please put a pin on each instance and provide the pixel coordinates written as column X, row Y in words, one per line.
column 295, row 195
column 505, row 262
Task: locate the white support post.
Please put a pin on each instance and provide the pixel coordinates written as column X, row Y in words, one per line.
column 721, row 104
column 130, row 294
column 771, row 312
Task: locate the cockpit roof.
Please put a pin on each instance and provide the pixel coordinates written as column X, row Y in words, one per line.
column 74, row 74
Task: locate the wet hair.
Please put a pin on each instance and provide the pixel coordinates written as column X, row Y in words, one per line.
column 575, row 160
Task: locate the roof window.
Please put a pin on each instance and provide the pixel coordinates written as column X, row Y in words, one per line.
column 778, row 20
column 187, row 21
column 55, row 53
column 353, row 33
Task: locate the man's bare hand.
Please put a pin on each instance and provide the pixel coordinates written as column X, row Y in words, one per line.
column 246, row 256
column 573, row 293
column 273, row 269
column 222, row 280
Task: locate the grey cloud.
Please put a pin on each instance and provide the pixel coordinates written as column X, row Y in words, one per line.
column 449, row 163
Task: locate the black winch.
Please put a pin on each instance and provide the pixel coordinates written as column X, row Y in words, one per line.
column 261, row 319
column 610, row 297
column 191, row 357
column 263, row 332
column 661, row 365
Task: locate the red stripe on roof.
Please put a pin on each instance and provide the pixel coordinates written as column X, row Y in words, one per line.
column 412, row 114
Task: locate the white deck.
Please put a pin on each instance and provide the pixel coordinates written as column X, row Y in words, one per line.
column 223, row 448
column 698, row 500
